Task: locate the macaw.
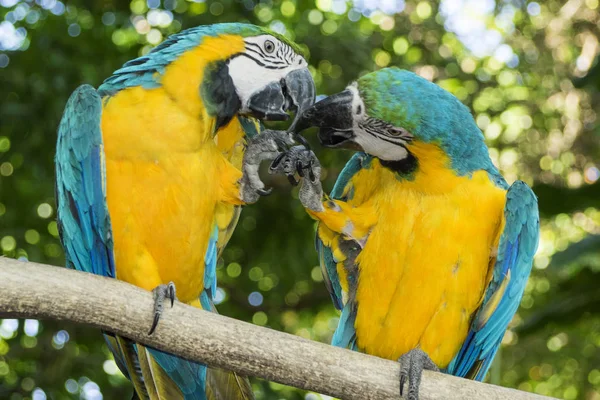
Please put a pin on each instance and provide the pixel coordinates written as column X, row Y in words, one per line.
column 153, row 166
column 425, row 248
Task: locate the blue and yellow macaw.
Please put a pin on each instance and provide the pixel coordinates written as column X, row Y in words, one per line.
column 152, row 168
column 424, row 247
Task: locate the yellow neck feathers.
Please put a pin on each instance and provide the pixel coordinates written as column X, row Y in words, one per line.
column 183, row 77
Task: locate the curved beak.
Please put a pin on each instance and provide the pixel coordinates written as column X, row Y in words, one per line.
column 333, row 116
column 296, row 92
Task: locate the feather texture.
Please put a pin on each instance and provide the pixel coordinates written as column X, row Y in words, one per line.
column 83, row 218
column 226, row 385
column 84, row 222
column 343, row 189
column 147, row 186
column 146, row 71
column 86, row 234
column 443, row 265
column 518, row 245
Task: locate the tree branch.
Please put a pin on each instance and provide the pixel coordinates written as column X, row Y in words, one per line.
column 31, row 290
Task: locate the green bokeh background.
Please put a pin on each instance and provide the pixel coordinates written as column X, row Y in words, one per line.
column 527, row 70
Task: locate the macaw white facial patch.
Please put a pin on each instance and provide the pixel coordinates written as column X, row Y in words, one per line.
column 377, row 137
column 266, row 60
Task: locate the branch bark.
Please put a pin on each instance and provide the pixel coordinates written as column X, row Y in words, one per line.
column 31, row 290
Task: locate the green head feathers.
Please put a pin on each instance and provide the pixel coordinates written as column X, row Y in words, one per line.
column 145, row 71
column 263, row 78
column 430, row 113
column 385, row 111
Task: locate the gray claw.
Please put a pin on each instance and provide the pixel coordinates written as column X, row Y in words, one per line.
column 412, row 365
column 276, row 161
column 300, row 168
column 311, row 172
column 265, row 146
column 293, row 180
column 302, row 140
column 299, row 160
column 161, row 292
column 295, row 160
column 264, row 192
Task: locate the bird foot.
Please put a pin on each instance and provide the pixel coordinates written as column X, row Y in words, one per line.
column 412, row 365
column 161, row 293
column 265, row 146
column 303, row 162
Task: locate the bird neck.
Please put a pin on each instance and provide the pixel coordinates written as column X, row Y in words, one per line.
column 183, row 78
column 429, row 169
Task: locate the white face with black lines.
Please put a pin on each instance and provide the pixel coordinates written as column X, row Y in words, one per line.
column 377, row 137
column 265, row 60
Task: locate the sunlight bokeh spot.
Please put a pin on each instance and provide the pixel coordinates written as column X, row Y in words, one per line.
column 44, row 210
column 255, row 299
column 110, row 367
column 31, row 327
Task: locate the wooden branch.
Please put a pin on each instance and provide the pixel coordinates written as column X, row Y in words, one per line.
column 31, row 290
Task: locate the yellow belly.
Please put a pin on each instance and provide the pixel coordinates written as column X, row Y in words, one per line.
column 163, row 190
column 425, row 266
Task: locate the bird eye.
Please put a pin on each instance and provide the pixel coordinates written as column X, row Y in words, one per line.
column 395, row 131
column 269, row 46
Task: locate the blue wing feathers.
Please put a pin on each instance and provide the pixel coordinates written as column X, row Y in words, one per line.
column 210, row 264
column 189, row 376
column 518, row 244
column 330, row 276
column 82, row 213
column 84, row 221
column 344, row 335
column 206, row 302
column 355, row 164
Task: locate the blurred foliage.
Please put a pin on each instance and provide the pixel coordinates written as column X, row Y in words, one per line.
column 526, row 69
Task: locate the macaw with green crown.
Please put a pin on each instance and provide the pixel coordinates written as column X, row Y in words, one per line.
column 425, row 248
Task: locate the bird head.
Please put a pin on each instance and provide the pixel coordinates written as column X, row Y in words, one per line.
column 271, row 76
column 226, row 70
column 388, row 113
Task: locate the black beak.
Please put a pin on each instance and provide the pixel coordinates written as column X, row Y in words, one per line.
column 300, row 90
column 295, row 92
column 333, row 117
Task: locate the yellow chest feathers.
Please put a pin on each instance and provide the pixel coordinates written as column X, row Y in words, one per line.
column 167, row 181
column 425, row 264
